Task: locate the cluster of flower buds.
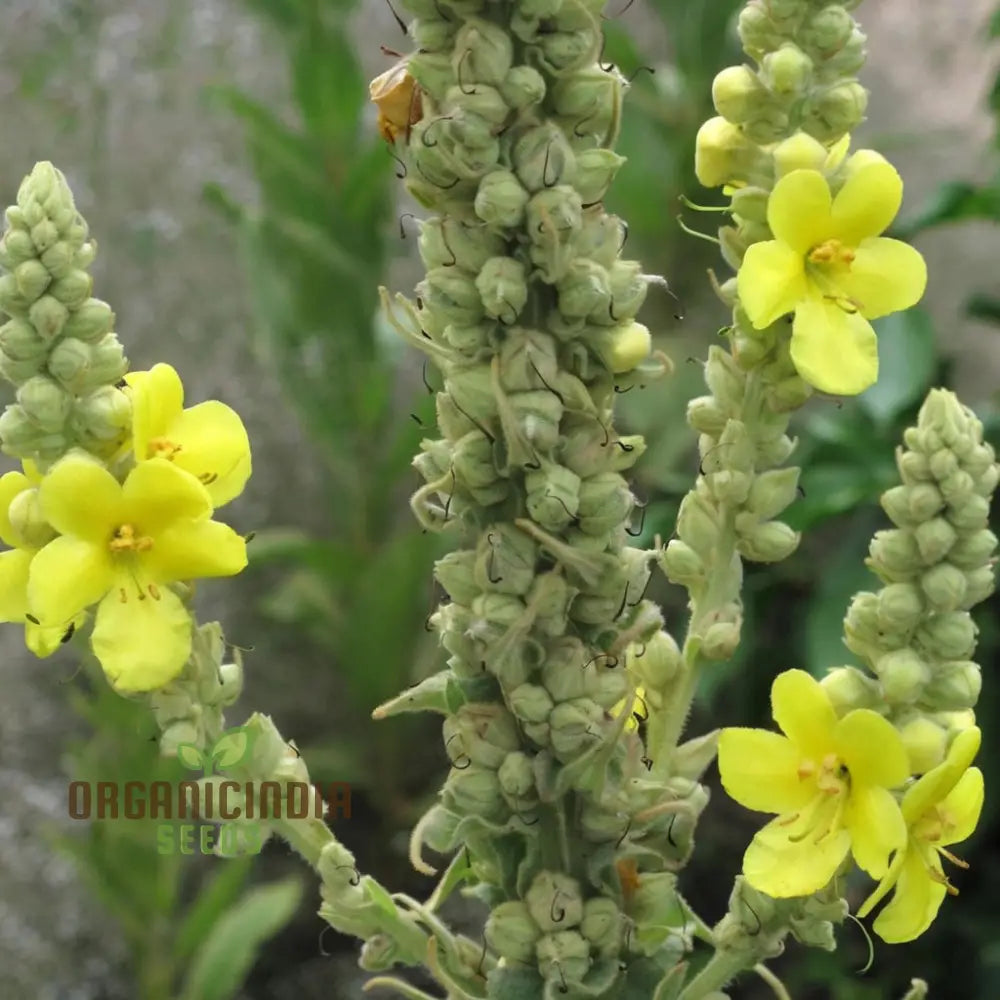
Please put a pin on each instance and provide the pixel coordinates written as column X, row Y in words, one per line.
column 529, row 312
column 58, row 347
column 916, row 634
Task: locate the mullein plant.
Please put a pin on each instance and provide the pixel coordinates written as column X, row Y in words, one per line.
column 566, row 818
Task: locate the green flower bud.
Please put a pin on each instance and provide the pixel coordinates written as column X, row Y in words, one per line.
column 721, row 638
column 530, row 703
column 724, row 379
column 944, row 586
column 543, row 158
column 768, row 124
column 561, row 52
column 22, row 437
column 563, row 957
column 834, row 112
column 505, row 560
column 452, row 294
column 517, row 780
column 500, row 199
column 900, row 607
column 757, row 31
column 475, row 468
column 495, row 614
column 575, row 726
column 472, row 390
column 736, row 92
column 103, row 415
column 550, row 596
column 73, row 289
column 537, row 413
column 45, row 402
column 903, row 674
column 378, row 953
column 798, row 152
column 895, row 556
column 772, row 492
column 925, row 742
column 605, row 502
column 706, row 416
column 955, row 685
column 787, row 71
column 769, row 542
column 443, row 242
column 659, row 663
column 595, row 170
column 590, row 102
column 522, row 87
column 15, row 248
column 19, row 342
column 980, row 584
column 90, row 322
column 848, row 688
column 554, row 218
column 554, row 901
column 950, row 636
column 475, row 791
column 562, row 670
column 697, row 525
column 828, row 30
column 750, row 204
column 48, row 316
column 32, row 279
column 480, row 732
column 911, row 505
column 723, row 154
column 26, row 518
column 511, row 932
column 503, row 286
column 177, row 733
column 654, row 903
column 527, row 360
column 603, row 926
column 553, row 496
column 483, row 53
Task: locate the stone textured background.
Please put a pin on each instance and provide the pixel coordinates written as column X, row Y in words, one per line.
column 112, row 91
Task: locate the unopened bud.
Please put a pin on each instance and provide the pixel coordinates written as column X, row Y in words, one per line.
column 511, row 932
column 944, row 586
column 848, row 688
column 787, row 71
column 26, row 518
column 473, row 790
column 595, row 170
column 554, row 901
column 722, row 153
column 798, row 152
column 483, row 52
column 903, row 674
column 500, row 199
column 925, row 744
column 769, row 542
column 563, row 957
column 735, row 92
column 836, row 111
column 955, row 685
column 522, row 87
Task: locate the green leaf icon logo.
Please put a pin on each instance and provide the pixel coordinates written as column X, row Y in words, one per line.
column 232, row 747
column 190, row 755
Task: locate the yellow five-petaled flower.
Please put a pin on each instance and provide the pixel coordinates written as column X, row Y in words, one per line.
column 828, row 780
column 208, row 440
column 942, row 808
column 120, row 547
column 829, row 265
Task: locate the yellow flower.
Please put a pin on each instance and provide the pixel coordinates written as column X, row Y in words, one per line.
column 207, row 440
column 14, row 566
column 829, row 266
column 940, row 809
column 827, row 779
column 121, row 545
column 639, row 713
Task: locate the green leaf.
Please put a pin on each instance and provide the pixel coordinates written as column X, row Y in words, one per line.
column 985, row 307
column 213, row 899
column 377, row 895
column 227, row 954
column 829, row 490
column 907, row 360
column 430, row 695
column 952, row 202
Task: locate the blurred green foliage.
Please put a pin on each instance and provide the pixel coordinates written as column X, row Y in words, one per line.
column 193, row 931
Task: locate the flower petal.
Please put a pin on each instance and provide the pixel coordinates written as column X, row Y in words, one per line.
column 884, row 277
column 214, row 448
column 915, row 904
column 771, row 282
column 963, row 806
column 760, row 771
column 142, row 644
column 782, row 867
column 935, row 785
column 157, row 400
column 798, row 210
column 887, row 882
column 66, row 576
column 14, row 584
column 803, row 711
column 871, row 748
column 875, row 823
column 45, row 640
column 190, row 549
column 157, row 494
column 867, row 203
column 80, row 497
column 11, row 484
column 832, row 349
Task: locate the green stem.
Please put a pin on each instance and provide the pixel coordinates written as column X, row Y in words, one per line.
column 721, row 968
